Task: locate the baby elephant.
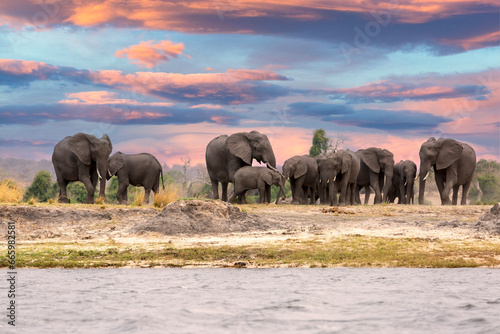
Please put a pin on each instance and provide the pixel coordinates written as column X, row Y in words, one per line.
column 136, row 169
column 248, row 177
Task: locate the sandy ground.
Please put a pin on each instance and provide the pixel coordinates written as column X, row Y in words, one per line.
column 249, row 225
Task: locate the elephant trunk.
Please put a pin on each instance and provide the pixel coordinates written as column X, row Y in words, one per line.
column 409, row 189
column 270, row 159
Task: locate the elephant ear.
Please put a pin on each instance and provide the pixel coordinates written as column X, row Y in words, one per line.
column 449, row 152
column 116, row 162
column 346, row 162
column 79, row 145
column 267, row 177
column 300, row 170
column 239, row 145
column 370, row 158
column 106, row 137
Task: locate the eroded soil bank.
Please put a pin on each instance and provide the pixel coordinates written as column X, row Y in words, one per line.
column 212, row 233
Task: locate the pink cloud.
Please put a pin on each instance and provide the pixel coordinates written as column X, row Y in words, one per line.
column 105, row 97
column 147, row 54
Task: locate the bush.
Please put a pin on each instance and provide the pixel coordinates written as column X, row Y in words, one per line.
column 164, row 196
column 487, row 176
column 76, row 192
column 41, row 189
column 10, row 192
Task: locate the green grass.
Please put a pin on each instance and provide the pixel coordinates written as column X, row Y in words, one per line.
column 347, row 251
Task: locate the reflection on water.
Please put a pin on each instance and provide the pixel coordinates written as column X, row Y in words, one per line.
column 341, row 300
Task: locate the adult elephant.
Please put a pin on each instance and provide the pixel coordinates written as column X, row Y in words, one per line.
column 226, row 154
column 84, row 158
column 403, row 182
column 138, row 170
column 339, row 171
column 454, row 163
column 375, row 164
column 303, row 172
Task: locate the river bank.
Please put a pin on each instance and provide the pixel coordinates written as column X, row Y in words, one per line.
column 215, row 234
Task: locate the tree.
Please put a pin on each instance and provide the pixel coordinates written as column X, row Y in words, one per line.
column 320, row 143
column 41, row 188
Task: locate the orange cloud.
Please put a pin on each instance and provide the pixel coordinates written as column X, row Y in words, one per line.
column 147, row 54
column 178, row 16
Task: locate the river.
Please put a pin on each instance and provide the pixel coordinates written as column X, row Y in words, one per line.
column 292, row 300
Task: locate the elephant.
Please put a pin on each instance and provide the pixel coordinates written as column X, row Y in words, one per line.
column 375, row 163
column 84, row 158
column 226, row 154
column 402, row 182
column 303, row 172
column 339, row 171
column 138, row 170
column 250, row 177
column 454, row 163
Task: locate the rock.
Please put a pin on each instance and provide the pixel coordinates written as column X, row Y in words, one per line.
column 240, row 264
column 490, row 222
column 202, row 217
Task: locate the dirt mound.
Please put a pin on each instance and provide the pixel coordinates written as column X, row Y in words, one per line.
column 490, row 222
column 202, row 217
column 50, row 215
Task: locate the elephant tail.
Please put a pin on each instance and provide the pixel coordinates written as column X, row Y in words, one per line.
column 161, row 175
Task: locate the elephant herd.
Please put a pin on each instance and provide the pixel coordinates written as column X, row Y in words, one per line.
column 334, row 178
column 85, row 158
column 229, row 159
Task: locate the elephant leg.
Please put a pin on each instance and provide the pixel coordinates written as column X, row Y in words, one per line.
column 215, row 188
column 440, row 185
column 242, row 197
column 224, row 191
column 63, row 195
column 235, row 194
column 367, row 194
column 84, row 177
column 374, row 181
column 356, row 194
column 121, row 194
column 465, row 191
column 445, row 195
column 454, row 199
column 146, row 195
column 268, row 194
column 354, row 188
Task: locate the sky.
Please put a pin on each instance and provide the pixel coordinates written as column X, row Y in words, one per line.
column 166, row 77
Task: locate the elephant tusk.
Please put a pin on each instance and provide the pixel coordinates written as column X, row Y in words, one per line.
column 334, row 178
column 406, row 183
column 110, row 175
column 274, row 169
column 98, row 174
column 426, row 175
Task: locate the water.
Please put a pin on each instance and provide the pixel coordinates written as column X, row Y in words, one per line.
column 343, row 300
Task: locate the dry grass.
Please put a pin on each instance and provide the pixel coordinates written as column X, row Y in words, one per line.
column 10, row 192
column 164, row 196
column 139, row 198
